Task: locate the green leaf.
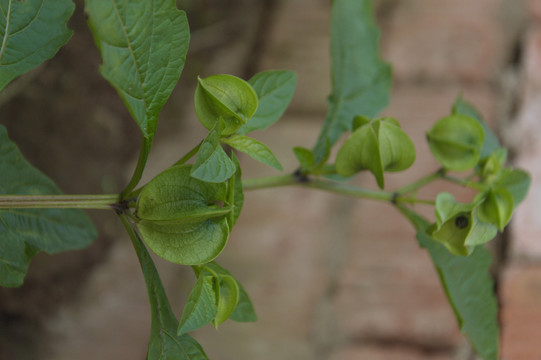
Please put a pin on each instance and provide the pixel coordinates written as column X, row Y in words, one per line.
column 227, row 98
column 244, row 311
column 305, row 157
column 456, row 142
column 228, row 299
column 274, row 89
column 469, row 289
column 517, row 182
column 491, row 143
column 201, row 306
column 27, row 231
column 31, row 32
column 143, row 44
column 361, row 81
column 379, row 145
column 497, row 207
column 212, row 163
column 164, row 342
column 180, row 217
column 235, row 192
column 253, row 148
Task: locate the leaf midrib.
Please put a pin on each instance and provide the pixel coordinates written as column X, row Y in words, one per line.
column 4, row 40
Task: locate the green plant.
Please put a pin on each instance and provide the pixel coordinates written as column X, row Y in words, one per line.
column 186, row 213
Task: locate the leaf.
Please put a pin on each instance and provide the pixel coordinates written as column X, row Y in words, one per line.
column 228, row 299
column 164, row 343
column 491, row 143
column 361, row 81
column 517, row 182
column 469, row 289
column 235, row 192
column 227, row 98
column 256, row 150
column 31, row 32
column 201, row 306
column 377, row 145
column 143, row 44
column 456, row 142
column 244, row 312
column 304, row 156
column 497, row 208
column 28, row 231
column 274, row 89
column 212, row 163
column 180, row 217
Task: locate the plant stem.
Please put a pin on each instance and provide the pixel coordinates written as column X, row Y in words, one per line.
column 421, row 182
column 146, row 144
column 189, row 155
column 269, row 182
column 464, row 182
column 100, row 202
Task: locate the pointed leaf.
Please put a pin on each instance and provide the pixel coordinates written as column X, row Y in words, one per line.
column 27, row 231
column 143, row 44
column 227, row 98
column 274, row 89
column 164, row 343
column 212, row 163
column 235, row 192
column 180, row 217
column 469, row 289
column 200, row 308
column 305, row 156
column 497, row 208
column 360, row 79
column 517, row 182
column 256, row 150
column 31, row 32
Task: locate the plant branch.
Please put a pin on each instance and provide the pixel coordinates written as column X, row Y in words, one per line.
column 439, row 174
column 146, row 144
column 99, row 202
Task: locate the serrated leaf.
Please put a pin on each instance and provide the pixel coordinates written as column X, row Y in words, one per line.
column 143, row 45
column 361, row 81
column 164, row 343
column 212, row 163
column 491, row 142
column 253, row 148
column 456, row 142
column 274, row 89
column 31, row 32
column 27, row 231
column 469, row 289
column 224, row 98
column 201, row 307
column 180, row 217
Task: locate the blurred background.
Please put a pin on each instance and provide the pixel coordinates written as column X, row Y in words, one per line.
column 330, row 277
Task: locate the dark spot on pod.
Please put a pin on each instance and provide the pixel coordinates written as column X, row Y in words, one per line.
column 462, row 222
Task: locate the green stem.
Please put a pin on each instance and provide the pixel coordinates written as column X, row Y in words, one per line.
column 421, row 182
column 189, row 155
column 466, row 183
column 100, row 202
column 349, row 190
column 269, row 182
column 146, row 144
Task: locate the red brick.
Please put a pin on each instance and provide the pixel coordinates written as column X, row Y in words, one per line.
column 521, row 312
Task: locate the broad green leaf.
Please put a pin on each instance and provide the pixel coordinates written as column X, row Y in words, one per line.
column 28, row 231
column 31, row 32
column 244, row 312
column 469, row 289
column 305, row 157
column 228, row 299
column 456, row 142
column 274, row 89
column 497, row 207
column 517, row 182
column 212, row 163
column 491, row 143
column 227, row 98
column 143, row 45
column 201, row 306
column 379, row 145
column 164, row 343
column 180, row 217
column 361, row 81
column 253, row 148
